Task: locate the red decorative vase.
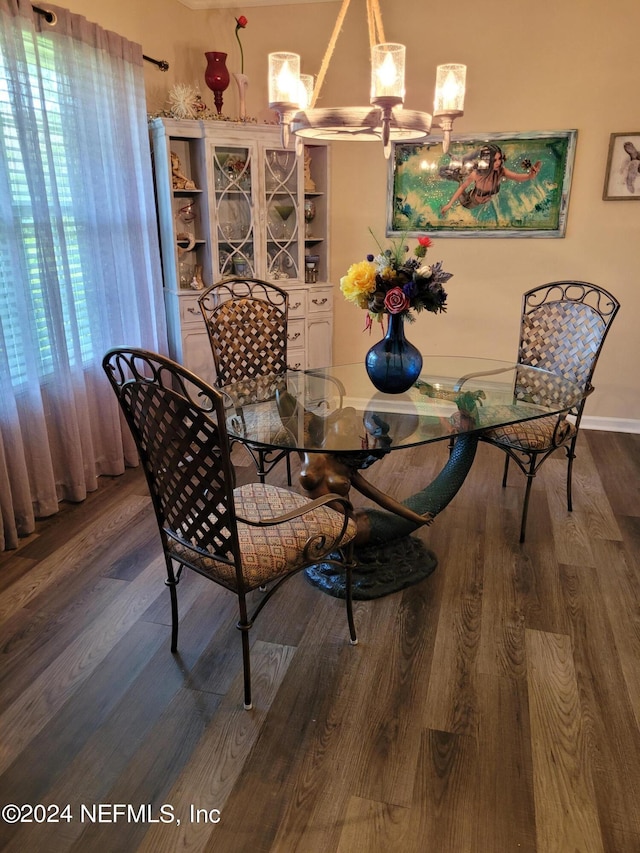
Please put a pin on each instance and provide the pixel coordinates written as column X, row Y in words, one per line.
column 216, row 76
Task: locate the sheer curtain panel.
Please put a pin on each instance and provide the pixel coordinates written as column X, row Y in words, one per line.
column 79, row 259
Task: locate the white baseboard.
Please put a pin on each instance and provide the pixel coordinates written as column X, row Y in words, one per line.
column 611, row 424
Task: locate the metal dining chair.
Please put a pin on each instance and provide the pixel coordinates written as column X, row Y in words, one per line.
column 246, row 320
column 246, row 539
column 563, row 327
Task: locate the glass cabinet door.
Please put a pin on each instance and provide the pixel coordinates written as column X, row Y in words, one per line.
column 282, row 226
column 233, row 171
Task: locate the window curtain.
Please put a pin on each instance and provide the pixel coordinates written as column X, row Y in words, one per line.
column 79, row 257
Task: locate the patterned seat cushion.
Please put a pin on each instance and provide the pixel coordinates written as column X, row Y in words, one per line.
column 264, row 423
column 540, row 434
column 270, row 552
column 255, row 389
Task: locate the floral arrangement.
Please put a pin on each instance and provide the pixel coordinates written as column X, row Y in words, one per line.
column 241, row 23
column 392, row 282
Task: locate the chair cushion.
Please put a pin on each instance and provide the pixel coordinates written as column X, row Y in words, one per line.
column 270, row 552
column 262, row 422
column 256, row 389
column 540, row 434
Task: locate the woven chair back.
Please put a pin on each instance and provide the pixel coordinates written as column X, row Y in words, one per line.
column 563, row 328
column 178, row 425
column 247, row 324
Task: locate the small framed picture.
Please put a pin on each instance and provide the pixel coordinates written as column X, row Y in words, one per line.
column 486, row 185
column 622, row 178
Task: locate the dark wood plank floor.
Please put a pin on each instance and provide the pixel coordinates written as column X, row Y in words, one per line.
column 494, row 707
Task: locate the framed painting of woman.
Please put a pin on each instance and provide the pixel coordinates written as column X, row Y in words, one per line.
column 486, row 185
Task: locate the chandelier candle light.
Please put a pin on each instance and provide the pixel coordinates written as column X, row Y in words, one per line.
column 388, row 121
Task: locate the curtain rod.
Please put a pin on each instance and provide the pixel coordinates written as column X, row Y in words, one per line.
column 162, row 64
column 51, row 18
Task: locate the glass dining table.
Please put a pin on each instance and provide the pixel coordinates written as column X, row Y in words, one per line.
column 338, row 423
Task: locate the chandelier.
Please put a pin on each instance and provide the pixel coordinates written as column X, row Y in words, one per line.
column 293, row 95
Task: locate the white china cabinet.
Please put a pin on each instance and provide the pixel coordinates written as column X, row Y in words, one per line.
column 232, row 201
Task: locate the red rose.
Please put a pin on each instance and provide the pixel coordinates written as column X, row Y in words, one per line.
column 396, row 301
column 425, row 241
column 242, row 21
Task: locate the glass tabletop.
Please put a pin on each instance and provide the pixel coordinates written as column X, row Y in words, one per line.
column 337, row 410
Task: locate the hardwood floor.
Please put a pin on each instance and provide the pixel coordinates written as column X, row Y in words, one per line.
column 494, row 707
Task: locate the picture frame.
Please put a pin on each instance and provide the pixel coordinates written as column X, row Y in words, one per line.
column 461, row 194
column 622, row 175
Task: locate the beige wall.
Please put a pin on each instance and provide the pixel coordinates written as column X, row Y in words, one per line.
column 543, row 67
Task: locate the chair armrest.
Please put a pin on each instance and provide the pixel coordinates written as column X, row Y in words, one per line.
column 333, row 380
column 320, row 542
column 468, row 376
column 331, row 498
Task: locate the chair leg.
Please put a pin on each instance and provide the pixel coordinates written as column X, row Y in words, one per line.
column 172, row 583
column 506, row 470
column 525, row 507
column 244, row 625
column 353, row 639
column 570, row 457
column 262, row 461
column 246, row 663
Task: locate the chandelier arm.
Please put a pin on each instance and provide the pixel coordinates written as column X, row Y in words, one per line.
column 326, row 59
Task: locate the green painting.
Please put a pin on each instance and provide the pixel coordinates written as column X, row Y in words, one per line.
column 490, row 185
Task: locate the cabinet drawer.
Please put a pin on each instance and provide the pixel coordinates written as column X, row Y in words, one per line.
column 297, row 304
column 190, row 310
column 296, row 359
column 295, row 334
column 321, row 299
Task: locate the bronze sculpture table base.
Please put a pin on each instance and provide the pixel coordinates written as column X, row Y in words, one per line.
column 381, row 570
column 388, row 558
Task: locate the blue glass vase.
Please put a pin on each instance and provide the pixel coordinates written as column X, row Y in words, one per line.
column 393, row 364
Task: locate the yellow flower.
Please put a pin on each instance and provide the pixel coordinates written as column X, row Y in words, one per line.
column 359, row 282
column 388, row 273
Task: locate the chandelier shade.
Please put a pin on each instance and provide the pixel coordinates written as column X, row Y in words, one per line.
column 306, row 91
column 450, row 89
column 284, row 79
column 387, row 71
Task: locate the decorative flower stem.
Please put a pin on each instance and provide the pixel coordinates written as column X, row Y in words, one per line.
column 241, row 23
